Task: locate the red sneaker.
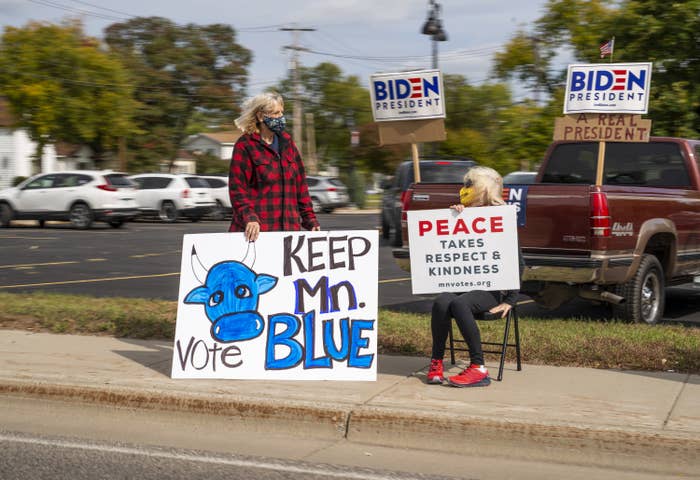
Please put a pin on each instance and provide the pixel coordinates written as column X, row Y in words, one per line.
column 435, row 374
column 474, row 376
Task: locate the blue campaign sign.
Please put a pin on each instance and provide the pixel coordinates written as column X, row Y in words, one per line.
column 517, row 195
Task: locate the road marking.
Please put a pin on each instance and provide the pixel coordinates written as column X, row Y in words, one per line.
column 29, row 265
column 144, row 255
column 95, row 259
column 294, row 467
column 392, row 280
column 17, row 237
column 89, row 280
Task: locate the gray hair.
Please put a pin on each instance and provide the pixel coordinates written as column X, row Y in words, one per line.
column 487, row 184
column 263, row 102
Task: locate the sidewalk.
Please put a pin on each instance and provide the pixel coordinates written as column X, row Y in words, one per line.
column 631, row 420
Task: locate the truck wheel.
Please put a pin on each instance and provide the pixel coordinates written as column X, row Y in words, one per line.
column 386, row 228
column 396, row 240
column 644, row 293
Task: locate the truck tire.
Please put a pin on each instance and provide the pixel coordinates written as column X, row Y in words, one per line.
column 386, row 228
column 644, row 293
column 397, row 239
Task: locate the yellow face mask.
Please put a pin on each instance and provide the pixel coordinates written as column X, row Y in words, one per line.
column 466, row 196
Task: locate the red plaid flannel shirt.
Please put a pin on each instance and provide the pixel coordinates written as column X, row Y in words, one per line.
column 268, row 188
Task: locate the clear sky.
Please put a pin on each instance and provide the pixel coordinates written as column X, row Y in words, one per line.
column 362, row 37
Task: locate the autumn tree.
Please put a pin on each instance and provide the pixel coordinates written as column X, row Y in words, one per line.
column 182, row 74
column 664, row 33
column 62, row 87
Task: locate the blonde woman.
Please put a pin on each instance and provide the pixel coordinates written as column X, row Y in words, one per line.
column 483, row 186
column 267, row 181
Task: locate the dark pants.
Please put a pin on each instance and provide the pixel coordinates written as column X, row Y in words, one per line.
column 462, row 307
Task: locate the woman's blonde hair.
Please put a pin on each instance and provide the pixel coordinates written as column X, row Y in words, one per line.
column 487, row 185
column 263, row 102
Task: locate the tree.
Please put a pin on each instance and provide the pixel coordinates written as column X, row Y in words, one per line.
column 667, row 34
column 62, row 87
column 182, row 74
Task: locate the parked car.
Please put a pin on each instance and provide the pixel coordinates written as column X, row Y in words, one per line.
column 172, row 196
column 219, row 190
column 327, row 193
column 81, row 196
column 431, row 171
column 519, row 178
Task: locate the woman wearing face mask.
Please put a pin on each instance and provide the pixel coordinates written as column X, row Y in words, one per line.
column 483, row 186
column 267, row 182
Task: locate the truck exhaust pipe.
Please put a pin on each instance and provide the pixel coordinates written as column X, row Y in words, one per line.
column 601, row 296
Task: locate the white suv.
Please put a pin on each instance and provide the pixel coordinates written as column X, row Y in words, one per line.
column 219, row 190
column 172, row 196
column 81, row 196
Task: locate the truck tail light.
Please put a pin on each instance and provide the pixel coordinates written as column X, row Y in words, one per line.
column 186, row 193
column 405, row 199
column 600, row 215
column 107, row 188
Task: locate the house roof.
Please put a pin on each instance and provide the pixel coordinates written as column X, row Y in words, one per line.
column 226, row 137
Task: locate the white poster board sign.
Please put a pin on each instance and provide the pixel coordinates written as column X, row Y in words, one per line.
column 289, row 306
column 459, row 252
column 608, row 88
column 415, row 95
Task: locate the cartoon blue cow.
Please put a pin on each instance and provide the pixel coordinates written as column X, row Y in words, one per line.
column 230, row 297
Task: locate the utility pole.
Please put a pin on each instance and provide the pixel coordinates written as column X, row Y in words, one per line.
column 295, row 47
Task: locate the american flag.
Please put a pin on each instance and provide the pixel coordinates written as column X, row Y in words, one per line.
column 607, row 48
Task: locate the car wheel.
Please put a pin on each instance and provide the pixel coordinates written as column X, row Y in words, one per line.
column 386, row 228
column 80, row 216
column 195, row 219
column 316, row 204
column 6, row 215
column 116, row 223
column 218, row 212
column 328, row 210
column 644, row 293
column 168, row 212
column 41, row 222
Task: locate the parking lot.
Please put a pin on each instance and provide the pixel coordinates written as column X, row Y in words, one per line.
column 142, row 260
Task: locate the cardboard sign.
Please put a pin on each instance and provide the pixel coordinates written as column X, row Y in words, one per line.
column 602, row 127
column 407, row 95
column 415, row 131
column 290, row 306
column 459, row 252
column 608, row 88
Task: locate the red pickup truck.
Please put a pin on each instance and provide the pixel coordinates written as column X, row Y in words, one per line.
column 618, row 236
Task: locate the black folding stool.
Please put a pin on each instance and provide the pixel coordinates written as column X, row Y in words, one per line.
column 512, row 316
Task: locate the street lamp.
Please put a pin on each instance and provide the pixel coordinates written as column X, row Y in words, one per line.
column 433, row 27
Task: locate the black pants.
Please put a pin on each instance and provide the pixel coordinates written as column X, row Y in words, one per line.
column 462, row 307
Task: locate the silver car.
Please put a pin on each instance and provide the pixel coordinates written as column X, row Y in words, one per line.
column 327, row 193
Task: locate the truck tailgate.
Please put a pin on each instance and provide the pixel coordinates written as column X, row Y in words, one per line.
column 557, row 218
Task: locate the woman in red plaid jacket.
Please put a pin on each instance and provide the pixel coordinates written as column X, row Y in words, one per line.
column 267, row 182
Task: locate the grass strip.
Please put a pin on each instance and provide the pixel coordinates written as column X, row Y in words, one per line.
column 581, row 342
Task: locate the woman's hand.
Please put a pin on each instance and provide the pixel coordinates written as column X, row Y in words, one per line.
column 252, row 230
column 503, row 309
column 459, row 207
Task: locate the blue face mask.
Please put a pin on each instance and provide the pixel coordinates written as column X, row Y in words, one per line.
column 276, row 124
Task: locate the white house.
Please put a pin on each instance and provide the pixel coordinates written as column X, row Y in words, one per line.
column 218, row 144
column 17, row 150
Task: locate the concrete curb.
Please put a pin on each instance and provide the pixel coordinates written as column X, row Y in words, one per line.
column 668, row 453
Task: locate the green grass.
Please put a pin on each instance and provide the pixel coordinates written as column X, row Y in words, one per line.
column 583, row 343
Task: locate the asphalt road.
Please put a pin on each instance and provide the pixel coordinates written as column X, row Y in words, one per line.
column 142, row 260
